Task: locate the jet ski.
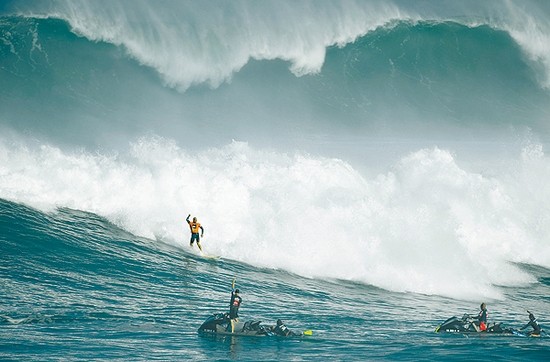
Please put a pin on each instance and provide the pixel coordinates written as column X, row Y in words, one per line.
column 219, row 324
column 466, row 325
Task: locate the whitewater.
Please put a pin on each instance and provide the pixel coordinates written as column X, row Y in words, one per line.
column 365, row 169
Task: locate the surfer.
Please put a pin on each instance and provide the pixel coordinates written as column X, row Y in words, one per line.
column 533, row 323
column 482, row 318
column 234, row 305
column 195, row 226
column 282, row 330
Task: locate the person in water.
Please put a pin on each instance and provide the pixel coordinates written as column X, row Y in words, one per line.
column 533, row 324
column 281, row 330
column 482, row 318
column 234, row 305
column 195, row 227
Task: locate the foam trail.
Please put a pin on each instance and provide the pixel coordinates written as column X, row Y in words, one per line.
column 427, row 226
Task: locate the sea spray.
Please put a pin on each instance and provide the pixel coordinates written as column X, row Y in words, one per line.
column 427, row 225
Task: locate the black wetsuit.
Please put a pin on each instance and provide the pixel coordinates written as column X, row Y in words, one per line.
column 234, row 305
column 282, row 330
column 482, row 316
column 536, row 328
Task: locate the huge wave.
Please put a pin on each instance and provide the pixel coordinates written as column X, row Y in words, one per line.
column 191, row 43
column 413, row 80
column 396, row 144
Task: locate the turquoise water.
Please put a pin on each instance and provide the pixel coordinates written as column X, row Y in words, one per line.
column 77, row 287
column 365, row 169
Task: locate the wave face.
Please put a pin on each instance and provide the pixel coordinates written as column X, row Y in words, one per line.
column 77, row 287
column 399, row 145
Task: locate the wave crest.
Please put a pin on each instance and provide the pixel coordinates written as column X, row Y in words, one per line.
column 191, row 43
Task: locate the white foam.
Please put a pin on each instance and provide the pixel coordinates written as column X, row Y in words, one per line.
column 426, row 225
column 528, row 24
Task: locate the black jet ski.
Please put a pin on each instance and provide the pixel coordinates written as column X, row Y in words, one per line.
column 467, row 325
column 219, row 324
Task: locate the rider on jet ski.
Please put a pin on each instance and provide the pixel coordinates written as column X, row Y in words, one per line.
column 482, row 318
column 234, row 305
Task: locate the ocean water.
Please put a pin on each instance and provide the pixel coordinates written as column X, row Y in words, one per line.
column 77, row 287
column 365, row 169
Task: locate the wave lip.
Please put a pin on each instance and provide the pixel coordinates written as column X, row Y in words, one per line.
column 191, row 43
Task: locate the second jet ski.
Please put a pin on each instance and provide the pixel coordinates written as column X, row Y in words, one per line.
column 466, row 325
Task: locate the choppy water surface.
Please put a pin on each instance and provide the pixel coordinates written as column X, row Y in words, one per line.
column 77, row 287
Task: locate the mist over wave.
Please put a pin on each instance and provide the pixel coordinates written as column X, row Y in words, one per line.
column 419, row 81
column 427, row 225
